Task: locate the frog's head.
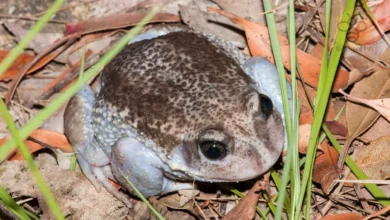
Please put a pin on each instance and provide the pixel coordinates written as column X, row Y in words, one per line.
column 242, row 142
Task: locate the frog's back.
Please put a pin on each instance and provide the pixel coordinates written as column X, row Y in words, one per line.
column 172, row 84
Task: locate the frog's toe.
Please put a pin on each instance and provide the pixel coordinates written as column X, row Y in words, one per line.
column 99, row 176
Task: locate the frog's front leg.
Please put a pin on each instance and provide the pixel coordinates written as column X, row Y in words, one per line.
column 78, row 128
column 132, row 161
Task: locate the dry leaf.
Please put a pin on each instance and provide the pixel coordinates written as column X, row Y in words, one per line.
column 365, row 31
column 382, row 106
column 303, row 140
column 359, row 117
column 336, row 128
column 23, row 60
column 51, row 138
column 195, row 15
column 325, row 170
column 374, row 159
column 259, row 45
column 116, row 21
column 380, row 128
column 344, row 216
column 39, row 43
column 246, row 208
column 335, row 17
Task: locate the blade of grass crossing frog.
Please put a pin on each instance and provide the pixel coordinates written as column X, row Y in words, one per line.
column 7, row 117
column 53, row 106
column 14, row 54
column 372, row 188
column 7, row 62
column 322, row 100
column 144, row 200
column 30, row 161
column 282, row 80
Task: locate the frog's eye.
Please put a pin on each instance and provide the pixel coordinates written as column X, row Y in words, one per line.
column 266, row 105
column 213, row 150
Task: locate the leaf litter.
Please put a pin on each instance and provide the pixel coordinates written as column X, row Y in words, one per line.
column 363, row 75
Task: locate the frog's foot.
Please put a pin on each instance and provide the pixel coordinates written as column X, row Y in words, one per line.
column 99, row 176
column 92, row 159
column 132, row 160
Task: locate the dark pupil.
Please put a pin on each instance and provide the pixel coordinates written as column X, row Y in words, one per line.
column 213, row 150
column 266, row 105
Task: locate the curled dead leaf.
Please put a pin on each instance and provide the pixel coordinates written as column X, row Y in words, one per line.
column 115, row 21
column 344, row 216
column 374, row 159
column 49, row 138
column 365, row 31
column 246, row 208
column 325, row 170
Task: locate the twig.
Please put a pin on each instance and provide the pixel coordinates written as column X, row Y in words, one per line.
column 31, row 18
column 68, row 40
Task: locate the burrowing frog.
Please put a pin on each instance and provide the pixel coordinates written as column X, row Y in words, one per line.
column 179, row 107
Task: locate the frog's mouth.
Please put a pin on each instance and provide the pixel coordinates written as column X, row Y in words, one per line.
column 246, row 163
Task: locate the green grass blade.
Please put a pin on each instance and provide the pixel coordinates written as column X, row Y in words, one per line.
column 324, row 65
column 12, row 205
column 322, row 99
column 51, row 202
column 379, row 195
column 144, row 200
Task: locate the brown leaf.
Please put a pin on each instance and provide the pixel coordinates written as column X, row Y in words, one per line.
column 51, row 138
column 374, row 159
column 195, row 16
column 359, row 117
column 246, row 208
column 336, row 128
column 259, row 45
column 365, row 31
column 380, row 128
column 382, row 106
column 344, row 216
column 335, row 17
column 325, row 170
column 23, row 60
column 115, row 21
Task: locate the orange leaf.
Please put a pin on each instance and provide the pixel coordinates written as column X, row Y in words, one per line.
column 325, row 171
column 344, row 216
column 246, row 208
column 66, row 72
column 259, row 45
column 23, row 60
column 365, row 32
column 51, row 138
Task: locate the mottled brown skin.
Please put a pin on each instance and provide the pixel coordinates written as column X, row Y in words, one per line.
column 175, row 108
column 193, row 87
